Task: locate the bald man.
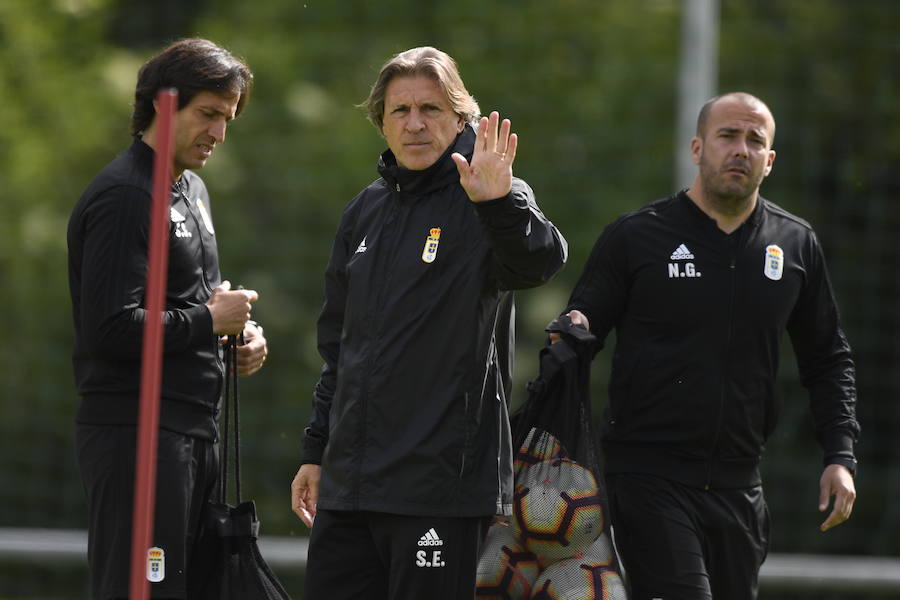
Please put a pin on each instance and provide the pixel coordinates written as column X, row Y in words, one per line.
column 700, row 287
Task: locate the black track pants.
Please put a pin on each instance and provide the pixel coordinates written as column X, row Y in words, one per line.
column 684, row 543
column 377, row 556
column 185, row 475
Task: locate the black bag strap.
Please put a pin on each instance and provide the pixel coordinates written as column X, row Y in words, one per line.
column 231, row 404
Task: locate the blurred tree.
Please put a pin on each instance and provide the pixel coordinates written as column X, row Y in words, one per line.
column 64, row 114
column 139, row 24
column 590, row 89
column 828, row 71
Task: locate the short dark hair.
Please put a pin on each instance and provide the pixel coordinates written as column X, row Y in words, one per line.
column 743, row 96
column 191, row 66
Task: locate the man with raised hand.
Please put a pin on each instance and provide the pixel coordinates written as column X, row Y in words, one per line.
column 408, row 452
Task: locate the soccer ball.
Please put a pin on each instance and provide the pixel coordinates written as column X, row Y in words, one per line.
column 592, row 576
column 538, row 446
column 557, row 510
column 601, row 551
column 506, row 571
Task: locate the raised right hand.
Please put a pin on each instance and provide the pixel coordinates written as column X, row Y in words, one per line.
column 230, row 309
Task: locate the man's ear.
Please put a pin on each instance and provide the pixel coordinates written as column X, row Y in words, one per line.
column 770, row 162
column 696, row 150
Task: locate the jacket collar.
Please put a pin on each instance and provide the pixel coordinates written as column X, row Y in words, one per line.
column 144, row 155
column 441, row 174
column 752, row 221
column 142, row 152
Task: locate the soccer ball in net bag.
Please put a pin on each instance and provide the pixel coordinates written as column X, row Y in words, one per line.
column 506, row 570
column 591, row 576
column 557, row 510
column 538, row 446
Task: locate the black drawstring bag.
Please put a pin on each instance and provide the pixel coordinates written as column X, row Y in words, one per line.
column 558, row 543
column 235, row 568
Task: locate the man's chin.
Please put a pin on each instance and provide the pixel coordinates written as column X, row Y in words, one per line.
column 733, row 198
column 417, row 162
column 193, row 165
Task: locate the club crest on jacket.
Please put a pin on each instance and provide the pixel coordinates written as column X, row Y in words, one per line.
column 431, row 245
column 774, row 262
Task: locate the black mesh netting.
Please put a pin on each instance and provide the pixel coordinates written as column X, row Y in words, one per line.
column 558, row 543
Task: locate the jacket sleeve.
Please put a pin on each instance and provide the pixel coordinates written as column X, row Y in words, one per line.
column 823, row 357
column 601, row 292
column 114, row 276
column 528, row 249
column 330, row 326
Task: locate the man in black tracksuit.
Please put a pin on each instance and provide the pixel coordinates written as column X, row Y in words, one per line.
column 108, row 242
column 408, row 451
column 700, row 287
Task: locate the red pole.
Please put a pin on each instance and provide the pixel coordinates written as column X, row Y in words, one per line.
column 151, row 359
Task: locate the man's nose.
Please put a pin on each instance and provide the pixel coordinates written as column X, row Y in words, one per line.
column 415, row 122
column 217, row 130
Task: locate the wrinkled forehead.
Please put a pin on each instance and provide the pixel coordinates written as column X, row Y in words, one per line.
column 415, row 87
column 740, row 113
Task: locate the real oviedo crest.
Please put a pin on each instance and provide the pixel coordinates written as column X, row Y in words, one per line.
column 431, row 245
column 156, row 565
column 774, row 266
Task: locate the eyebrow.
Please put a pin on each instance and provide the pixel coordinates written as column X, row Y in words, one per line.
column 755, row 132
column 216, row 111
column 422, row 105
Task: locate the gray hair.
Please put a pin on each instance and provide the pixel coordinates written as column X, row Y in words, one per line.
column 429, row 62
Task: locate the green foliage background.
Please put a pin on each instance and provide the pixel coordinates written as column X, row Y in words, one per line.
column 590, row 88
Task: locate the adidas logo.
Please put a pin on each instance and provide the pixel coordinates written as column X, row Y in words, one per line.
column 682, row 253
column 431, row 538
column 362, row 246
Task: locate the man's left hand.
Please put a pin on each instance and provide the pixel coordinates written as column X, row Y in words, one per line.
column 251, row 355
column 836, row 482
column 489, row 176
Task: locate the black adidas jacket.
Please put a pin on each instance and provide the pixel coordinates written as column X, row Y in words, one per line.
column 410, row 414
column 107, row 237
column 699, row 316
